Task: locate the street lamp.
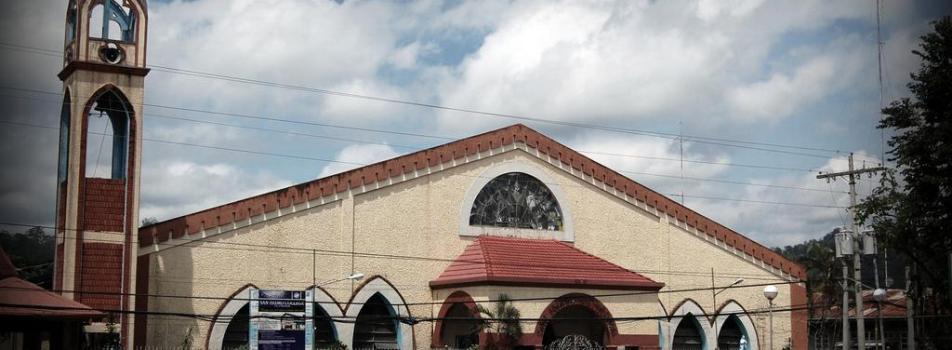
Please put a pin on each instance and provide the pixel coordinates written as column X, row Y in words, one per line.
column 770, row 292
column 714, row 296
column 355, row 277
column 879, row 295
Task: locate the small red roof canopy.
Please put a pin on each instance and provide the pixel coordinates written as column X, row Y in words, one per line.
column 536, row 262
column 19, row 298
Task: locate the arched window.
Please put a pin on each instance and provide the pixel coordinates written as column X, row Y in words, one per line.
column 324, row 335
column 516, row 200
column 112, row 20
column 107, row 135
column 688, row 336
column 376, row 326
column 236, row 335
column 732, row 335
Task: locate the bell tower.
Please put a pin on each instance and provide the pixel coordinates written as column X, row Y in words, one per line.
column 104, row 68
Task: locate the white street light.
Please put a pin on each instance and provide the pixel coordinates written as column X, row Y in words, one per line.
column 770, row 292
column 355, row 277
column 879, row 295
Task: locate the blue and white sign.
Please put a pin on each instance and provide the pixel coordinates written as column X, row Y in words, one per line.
column 279, row 320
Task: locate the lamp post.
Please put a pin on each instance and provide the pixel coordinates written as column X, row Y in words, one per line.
column 879, row 295
column 714, row 294
column 770, row 292
column 355, row 277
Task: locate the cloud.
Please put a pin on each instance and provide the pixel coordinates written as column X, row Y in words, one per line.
column 782, row 95
column 354, row 156
column 176, row 187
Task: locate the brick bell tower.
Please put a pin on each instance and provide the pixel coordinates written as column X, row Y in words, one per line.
column 100, row 145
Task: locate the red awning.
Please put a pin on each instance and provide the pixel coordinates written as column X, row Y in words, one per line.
column 517, row 261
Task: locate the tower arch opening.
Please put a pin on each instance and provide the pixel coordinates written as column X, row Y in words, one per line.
column 107, row 135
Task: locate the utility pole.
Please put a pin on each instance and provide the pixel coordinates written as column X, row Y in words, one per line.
column 910, row 326
column 852, row 174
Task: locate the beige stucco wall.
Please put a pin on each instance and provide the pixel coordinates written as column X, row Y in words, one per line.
column 420, row 218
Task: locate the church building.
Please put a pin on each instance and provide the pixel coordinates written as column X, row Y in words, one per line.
column 433, row 249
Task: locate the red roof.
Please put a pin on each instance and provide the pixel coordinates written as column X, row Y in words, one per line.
column 241, row 210
column 19, row 298
column 494, row 260
column 893, row 306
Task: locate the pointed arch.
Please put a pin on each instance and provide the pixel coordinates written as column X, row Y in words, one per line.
column 226, row 311
column 240, row 299
column 689, row 310
column 748, row 328
column 378, row 285
column 123, row 119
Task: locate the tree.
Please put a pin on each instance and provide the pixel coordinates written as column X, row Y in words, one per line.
column 910, row 209
column 149, row 221
column 32, row 253
column 503, row 321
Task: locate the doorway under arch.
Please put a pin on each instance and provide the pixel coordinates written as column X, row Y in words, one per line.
column 376, row 325
column 688, row 335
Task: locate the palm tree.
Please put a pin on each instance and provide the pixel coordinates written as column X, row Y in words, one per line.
column 503, row 322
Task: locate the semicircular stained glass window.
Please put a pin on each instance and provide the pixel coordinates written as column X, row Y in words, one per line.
column 516, row 200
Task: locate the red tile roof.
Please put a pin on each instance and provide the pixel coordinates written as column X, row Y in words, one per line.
column 19, row 298
column 894, row 306
column 240, row 211
column 494, row 260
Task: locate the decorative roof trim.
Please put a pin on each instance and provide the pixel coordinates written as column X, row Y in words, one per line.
column 321, row 191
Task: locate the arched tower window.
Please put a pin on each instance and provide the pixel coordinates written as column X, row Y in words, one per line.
column 516, row 200
column 63, row 166
column 107, row 135
column 112, row 20
column 71, row 13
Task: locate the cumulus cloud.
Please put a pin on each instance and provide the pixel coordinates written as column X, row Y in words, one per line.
column 172, row 188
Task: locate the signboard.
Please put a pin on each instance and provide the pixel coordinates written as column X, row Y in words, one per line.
column 279, row 320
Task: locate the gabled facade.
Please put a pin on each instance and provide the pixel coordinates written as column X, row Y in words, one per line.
column 412, row 223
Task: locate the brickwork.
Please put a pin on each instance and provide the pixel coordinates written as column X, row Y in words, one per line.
column 104, row 204
column 58, row 276
column 101, row 275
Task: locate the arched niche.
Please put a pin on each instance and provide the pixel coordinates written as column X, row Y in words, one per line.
column 457, row 313
column 235, row 309
column 373, row 290
column 733, row 314
column 565, row 233
column 589, row 317
column 689, row 314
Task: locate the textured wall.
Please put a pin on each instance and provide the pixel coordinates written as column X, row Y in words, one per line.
column 419, row 217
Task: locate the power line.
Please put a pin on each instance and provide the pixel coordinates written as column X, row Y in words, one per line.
column 699, row 139
column 308, row 123
column 299, row 157
column 429, row 303
column 261, row 248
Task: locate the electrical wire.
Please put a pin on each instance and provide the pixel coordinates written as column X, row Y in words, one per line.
column 299, row 157
column 699, row 139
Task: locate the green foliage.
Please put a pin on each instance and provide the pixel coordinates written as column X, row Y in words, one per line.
column 503, row 320
column 149, row 221
column 910, row 209
column 32, row 252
